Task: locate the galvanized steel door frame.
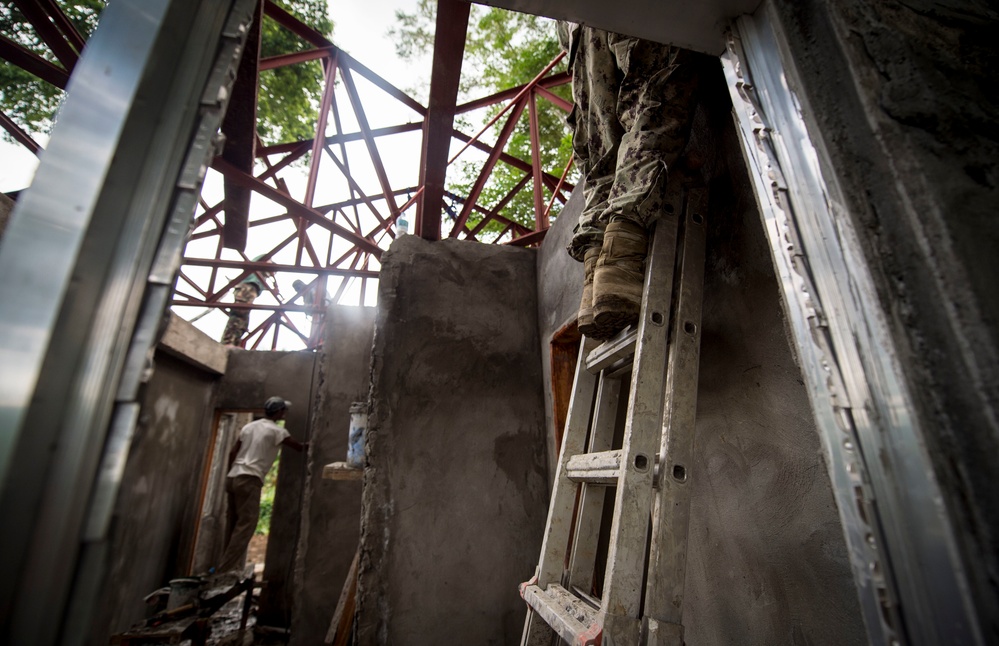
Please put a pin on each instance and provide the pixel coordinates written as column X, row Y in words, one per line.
column 88, row 263
column 910, row 580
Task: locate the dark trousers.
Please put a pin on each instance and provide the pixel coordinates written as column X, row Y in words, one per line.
column 244, row 511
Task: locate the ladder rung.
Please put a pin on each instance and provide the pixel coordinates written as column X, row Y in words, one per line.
column 572, row 618
column 602, row 467
column 609, row 352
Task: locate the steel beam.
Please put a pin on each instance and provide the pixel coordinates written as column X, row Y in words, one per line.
column 480, row 182
column 18, row 134
column 49, row 33
column 240, row 129
column 33, row 63
column 294, row 207
column 449, row 48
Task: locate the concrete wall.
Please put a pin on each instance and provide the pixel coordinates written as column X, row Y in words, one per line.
column 331, row 509
column 767, row 562
column 153, row 528
column 251, row 377
column 903, row 104
column 455, row 490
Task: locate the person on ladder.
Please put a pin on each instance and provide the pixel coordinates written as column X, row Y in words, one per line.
column 634, row 105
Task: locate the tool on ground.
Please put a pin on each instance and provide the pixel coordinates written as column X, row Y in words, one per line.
column 638, row 599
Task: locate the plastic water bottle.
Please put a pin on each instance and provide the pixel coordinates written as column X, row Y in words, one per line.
column 355, row 441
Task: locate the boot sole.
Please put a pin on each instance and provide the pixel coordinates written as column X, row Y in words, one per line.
column 612, row 314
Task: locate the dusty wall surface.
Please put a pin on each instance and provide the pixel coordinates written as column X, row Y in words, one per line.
column 154, row 521
column 767, row 562
column 455, row 494
column 902, row 96
column 331, row 509
column 251, row 377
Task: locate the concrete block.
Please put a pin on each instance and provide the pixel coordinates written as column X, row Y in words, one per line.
column 190, row 344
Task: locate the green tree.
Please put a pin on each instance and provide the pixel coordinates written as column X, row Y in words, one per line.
column 503, row 49
column 288, row 96
column 25, row 98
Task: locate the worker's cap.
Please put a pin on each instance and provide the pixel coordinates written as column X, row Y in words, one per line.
column 275, row 405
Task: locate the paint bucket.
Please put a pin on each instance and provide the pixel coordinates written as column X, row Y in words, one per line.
column 355, row 441
column 183, row 592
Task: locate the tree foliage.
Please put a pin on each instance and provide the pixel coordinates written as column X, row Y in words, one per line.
column 288, row 97
column 503, row 49
column 25, row 98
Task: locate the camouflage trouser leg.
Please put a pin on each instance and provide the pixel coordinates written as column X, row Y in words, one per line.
column 239, row 319
column 634, row 107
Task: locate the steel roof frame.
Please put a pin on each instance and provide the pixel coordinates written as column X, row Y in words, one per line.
column 338, row 243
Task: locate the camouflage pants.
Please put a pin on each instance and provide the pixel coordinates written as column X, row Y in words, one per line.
column 634, row 104
column 239, row 320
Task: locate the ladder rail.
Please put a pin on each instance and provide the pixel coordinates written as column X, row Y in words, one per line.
column 560, row 510
column 582, row 563
column 625, row 572
column 671, row 511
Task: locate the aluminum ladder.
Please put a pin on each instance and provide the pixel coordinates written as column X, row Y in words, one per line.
column 641, row 597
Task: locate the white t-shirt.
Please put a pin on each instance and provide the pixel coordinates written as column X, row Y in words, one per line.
column 260, row 442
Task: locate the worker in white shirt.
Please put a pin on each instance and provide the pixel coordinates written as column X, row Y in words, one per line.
column 251, row 459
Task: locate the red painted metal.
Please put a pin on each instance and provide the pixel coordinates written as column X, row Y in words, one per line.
column 449, row 47
column 369, row 142
column 282, row 60
column 19, row 134
column 540, row 217
column 480, row 182
column 294, row 207
column 64, row 24
column 49, row 32
column 33, row 63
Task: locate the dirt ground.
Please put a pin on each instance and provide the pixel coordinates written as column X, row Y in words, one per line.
column 257, row 551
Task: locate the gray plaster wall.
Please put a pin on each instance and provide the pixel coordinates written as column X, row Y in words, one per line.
column 154, row 520
column 902, row 100
column 455, row 494
column 767, row 562
column 251, row 377
column 331, row 509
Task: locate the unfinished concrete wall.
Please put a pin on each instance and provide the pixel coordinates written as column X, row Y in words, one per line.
column 902, row 98
column 455, row 494
column 331, row 509
column 767, row 562
column 152, row 532
column 251, row 377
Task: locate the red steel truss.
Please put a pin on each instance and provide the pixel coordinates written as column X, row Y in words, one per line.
column 323, row 210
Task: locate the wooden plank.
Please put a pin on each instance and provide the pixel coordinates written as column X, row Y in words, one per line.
column 343, row 616
column 342, row 471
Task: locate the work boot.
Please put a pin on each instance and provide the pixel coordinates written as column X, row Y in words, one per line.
column 619, row 277
column 584, row 321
